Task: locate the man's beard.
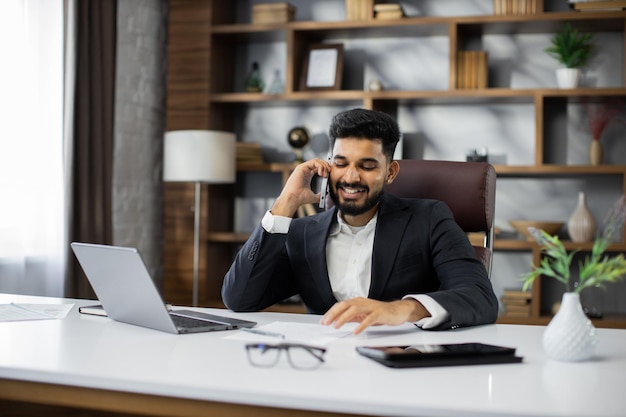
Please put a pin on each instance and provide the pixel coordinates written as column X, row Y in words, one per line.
column 350, row 207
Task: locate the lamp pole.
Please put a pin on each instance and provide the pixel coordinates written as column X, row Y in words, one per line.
column 196, row 243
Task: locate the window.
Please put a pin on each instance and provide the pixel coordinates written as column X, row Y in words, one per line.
column 32, row 242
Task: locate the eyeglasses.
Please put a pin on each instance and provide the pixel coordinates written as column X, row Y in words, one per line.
column 299, row 356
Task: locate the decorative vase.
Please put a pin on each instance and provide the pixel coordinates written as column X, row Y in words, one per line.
column 567, row 77
column 581, row 224
column 254, row 79
column 570, row 336
column 595, row 152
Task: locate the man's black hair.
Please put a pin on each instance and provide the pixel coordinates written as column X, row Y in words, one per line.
column 366, row 124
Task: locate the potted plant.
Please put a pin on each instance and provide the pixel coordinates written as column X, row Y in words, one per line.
column 570, row 326
column 573, row 49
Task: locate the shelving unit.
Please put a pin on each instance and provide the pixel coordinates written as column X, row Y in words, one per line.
column 205, row 37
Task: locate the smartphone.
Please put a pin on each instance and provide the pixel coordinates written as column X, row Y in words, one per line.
column 323, row 192
column 409, row 356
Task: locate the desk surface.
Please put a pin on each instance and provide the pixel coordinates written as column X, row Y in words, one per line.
column 98, row 353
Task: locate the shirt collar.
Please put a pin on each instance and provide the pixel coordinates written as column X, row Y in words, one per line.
column 342, row 227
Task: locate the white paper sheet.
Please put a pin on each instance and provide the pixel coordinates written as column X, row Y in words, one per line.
column 20, row 312
column 308, row 333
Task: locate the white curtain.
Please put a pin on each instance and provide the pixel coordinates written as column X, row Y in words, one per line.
column 32, row 196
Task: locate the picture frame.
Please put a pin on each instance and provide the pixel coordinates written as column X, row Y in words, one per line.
column 322, row 68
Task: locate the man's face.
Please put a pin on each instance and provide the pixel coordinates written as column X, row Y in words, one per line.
column 359, row 170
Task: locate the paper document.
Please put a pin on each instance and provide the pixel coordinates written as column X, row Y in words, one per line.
column 20, row 312
column 308, row 333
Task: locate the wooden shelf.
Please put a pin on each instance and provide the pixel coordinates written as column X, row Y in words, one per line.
column 540, row 22
column 558, row 170
column 528, row 245
column 202, row 94
column 439, row 96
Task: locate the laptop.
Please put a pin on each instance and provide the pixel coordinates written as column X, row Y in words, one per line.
column 123, row 285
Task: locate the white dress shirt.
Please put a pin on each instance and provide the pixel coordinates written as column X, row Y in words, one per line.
column 349, row 258
column 349, row 261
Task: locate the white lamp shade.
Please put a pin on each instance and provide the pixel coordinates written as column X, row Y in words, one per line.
column 199, row 156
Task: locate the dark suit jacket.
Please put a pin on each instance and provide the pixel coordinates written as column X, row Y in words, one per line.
column 418, row 248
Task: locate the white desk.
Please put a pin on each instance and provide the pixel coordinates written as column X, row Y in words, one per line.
column 93, row 362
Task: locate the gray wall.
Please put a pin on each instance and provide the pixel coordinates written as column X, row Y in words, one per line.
column 139, row 127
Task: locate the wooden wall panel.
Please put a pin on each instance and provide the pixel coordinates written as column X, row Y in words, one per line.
column 188, row 64
column 187, row 108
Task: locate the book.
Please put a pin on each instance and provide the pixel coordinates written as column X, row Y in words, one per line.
column 94, row 310
column 359, row 9
column 516, row 298
column 517, row 294
column 517, row 309
column 516, row 314
column 460, row 70
column 273, row 13
column 387, row 7
column 516, row 303
column 272, row 7
column 387, row 15
column 249, row 152
column 98, row 310
column 516, row 7
column 471, row 69
column 508, row 302
column 482, row 69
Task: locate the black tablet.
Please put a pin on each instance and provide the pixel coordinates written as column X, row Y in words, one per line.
column 410, row 356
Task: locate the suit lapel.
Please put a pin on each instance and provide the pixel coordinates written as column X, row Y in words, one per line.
column 315, row 237
column 390, row 227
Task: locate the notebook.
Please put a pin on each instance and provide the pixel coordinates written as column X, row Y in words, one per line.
column 123, row 285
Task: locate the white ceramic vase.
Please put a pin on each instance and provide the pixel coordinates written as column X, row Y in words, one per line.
column 567, row 77
column 570, row 336
column 581, row 225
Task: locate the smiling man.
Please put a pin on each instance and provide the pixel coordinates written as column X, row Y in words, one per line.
column 372, row 259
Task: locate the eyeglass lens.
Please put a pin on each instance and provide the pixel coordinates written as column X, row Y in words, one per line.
column 303, row 358
column 300, row 357
column 262, row 355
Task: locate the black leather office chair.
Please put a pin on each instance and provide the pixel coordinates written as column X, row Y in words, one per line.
column 468, row 188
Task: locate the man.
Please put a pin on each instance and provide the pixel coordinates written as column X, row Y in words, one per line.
column 372, row 259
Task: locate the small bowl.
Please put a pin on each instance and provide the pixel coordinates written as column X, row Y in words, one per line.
column 521, row 226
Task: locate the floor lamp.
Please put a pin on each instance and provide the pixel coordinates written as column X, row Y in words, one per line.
column 198, row 156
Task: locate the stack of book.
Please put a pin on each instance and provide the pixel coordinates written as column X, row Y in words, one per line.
column 471, row 69
column 272, row 13
column 359, row 9
column 595, row 5
column 516, row 303
column 388, row 11
column 517, row 7
column 249, row 153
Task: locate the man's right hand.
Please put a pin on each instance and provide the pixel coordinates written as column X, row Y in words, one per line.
column 297, row 190
column 368, row 312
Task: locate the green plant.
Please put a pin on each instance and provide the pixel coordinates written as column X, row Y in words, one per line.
column 595, row 270
column 571, row 47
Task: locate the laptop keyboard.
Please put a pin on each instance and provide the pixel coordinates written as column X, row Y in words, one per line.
column 189, row 323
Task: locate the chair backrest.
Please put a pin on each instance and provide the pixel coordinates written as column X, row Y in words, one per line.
column 468, row 188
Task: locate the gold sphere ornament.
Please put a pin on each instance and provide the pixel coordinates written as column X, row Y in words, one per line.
column 298, row 138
